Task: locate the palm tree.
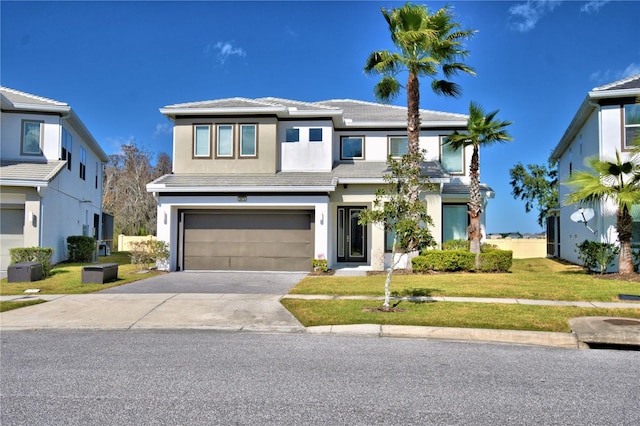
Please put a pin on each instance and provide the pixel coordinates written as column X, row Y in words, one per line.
column 482, row 130
column 617, row 181
column 428, row 45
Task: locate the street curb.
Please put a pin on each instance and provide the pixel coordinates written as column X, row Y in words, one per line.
column 539, row 338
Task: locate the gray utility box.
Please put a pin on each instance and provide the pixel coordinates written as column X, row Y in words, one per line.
column 100, row 274
column 25, row 272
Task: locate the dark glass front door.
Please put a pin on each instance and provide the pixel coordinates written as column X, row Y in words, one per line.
column 352, row 237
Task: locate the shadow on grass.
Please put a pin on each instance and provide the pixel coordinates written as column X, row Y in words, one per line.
column 415, row 292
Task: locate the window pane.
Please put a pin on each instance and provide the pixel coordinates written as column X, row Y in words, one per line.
column 398, row 146
column 31, row 138
column 248, row 141
column 351, row 148
column 388, row 239
column 315, row 135
column 225, row 141
column 452, row 160
column 632, row 114
column 202, row 143
column 293, row 135
column 454, row 222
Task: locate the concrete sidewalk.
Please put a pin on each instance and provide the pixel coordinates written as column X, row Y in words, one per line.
column 264, row 313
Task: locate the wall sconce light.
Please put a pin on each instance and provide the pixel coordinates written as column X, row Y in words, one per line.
column 165, row 218
column 242, row 198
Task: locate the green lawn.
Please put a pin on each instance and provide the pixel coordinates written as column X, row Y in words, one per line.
column 66, row 278
column 529, row 279
column 9, row 305
column 445, row 314
column 543, row 279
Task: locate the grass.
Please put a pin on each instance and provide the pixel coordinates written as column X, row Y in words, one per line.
column 9, row 305
column 446, row 314
column 543, row 279
column 66, row 278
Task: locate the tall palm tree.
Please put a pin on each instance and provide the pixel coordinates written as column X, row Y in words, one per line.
column 482, row 130
column 429, row 45
column 617, row 181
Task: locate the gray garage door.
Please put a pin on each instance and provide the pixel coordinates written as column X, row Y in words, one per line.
column 11, row 233
column 248, row 240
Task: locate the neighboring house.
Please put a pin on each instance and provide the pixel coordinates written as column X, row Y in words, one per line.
column 270, row 184
column 608, row 120
column 50, row 175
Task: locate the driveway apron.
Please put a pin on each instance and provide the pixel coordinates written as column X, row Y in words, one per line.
column 177, row 300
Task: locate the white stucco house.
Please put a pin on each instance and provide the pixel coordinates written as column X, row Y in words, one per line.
column 50, row 175
column 270, row 183
column 608, row 120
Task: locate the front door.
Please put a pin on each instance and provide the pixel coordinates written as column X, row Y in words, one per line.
column 352, row 237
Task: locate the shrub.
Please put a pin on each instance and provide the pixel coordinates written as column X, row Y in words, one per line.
column 80, row 248
column 41, row 255
column 597, row 256
column 147, row 253
column 462, row 260
column 443, row 260
column 496, row 260
column 320, row 265
column 456, row 245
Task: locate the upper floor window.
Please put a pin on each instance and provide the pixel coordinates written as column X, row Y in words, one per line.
column 83, row 163
column 67, row 147
column 293, row 135
column 202, row 141
column 315, row 134
column 631, row 123
column 248, row 140
column 452, row 160
column 31, row 137
column 352, row 147
column 97, row 174
column 224, row 141
column 398, row 146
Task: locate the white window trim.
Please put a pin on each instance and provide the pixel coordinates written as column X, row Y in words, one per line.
column 195, row 141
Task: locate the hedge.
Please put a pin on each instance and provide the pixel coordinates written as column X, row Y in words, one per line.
column 462, row 260
column 41, row 255
column 80, row 248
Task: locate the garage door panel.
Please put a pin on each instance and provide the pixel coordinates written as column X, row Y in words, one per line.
column 256, row 240
column 11, row 233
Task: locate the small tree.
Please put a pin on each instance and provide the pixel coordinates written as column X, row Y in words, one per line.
column 537, row 185
column 405, row 218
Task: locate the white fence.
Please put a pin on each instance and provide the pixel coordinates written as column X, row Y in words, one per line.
column 124, row 242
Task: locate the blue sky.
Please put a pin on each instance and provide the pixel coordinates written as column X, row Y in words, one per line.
column 117, row 63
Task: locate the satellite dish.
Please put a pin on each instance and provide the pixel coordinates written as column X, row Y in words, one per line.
column 582, row 215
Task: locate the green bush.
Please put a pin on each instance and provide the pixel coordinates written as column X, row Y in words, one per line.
column 148, row 253
column 456, row 245
column 491, row 260
column 41, row 255
column 443, row 260
column 496, row 260
column 320, row 265
column 80, row 248
column 597, row 256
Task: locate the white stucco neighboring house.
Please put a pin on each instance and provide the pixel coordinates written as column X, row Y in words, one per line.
column 270, row 183
column 50, row 175
column 608, row 120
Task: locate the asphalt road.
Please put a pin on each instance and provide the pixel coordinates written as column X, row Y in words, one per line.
column 204, row 378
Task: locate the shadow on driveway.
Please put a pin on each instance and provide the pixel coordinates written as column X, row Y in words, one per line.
column 228, row 282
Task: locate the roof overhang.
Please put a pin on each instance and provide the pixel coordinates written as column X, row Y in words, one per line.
column 161, row 188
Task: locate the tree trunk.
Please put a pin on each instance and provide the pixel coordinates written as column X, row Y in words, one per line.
column 475, row 205
column 413, row 128
column 625, row 233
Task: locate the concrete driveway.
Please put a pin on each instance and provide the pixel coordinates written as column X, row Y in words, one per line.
column 209, row 282
column 178, row 300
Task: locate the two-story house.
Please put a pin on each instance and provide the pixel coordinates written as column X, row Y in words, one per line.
column 270, row 184
column 608, row 120
column 50, row 175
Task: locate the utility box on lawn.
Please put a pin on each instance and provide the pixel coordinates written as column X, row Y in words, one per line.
column 25, row 272
column 100, row 274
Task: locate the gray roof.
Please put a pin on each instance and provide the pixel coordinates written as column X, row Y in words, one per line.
column 632, row 82
column 11, row 98
column 357, row 172
column 360, row 111
column 353, row 112
column 462, row 189
column 13, row 173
